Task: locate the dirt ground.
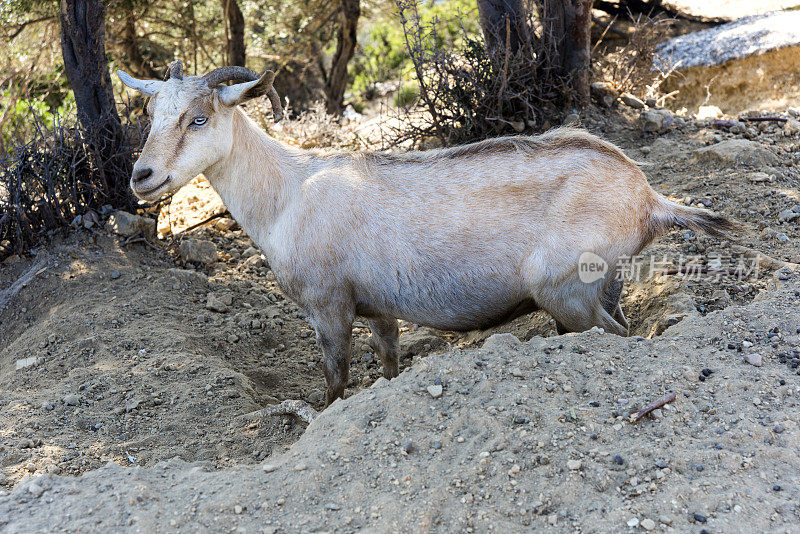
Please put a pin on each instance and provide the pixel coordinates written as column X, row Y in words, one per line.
column 110, row 354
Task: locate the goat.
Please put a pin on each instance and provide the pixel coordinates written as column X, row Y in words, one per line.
column 456, row 238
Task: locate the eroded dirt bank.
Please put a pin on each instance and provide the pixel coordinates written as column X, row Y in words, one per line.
column 524, row 435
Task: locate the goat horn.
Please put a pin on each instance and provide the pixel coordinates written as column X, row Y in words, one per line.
column 275, row 100
column 175, row 70
column 230, row 74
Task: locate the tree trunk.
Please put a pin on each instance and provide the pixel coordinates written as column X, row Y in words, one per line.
column 84, row 52
column 235, row 21
column 336, row 79
column 501, row 21
column 130, row 46
column 566, row 30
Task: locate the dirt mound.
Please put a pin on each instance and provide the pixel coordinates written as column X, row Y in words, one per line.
column 525, row 435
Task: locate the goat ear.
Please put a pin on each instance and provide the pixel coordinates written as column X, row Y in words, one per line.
column 148, row 87
column 234, row 95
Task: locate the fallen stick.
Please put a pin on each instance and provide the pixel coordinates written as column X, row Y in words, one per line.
column 763, row 119
column 35, row 270
column 298, row 408
column 658, row 403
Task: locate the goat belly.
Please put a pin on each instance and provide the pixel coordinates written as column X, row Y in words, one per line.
column 448, row 306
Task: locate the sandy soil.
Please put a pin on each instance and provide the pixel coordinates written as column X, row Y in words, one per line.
column 109, row 354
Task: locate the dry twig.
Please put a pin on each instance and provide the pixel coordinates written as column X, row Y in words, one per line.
column 658, row 403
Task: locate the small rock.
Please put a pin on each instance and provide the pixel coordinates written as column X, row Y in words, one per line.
column 708, row 112
column 249, row 251
column 72, row 399
column 572, row 119
column 198, row 251
column 115, row 274
column 435, row 390
column 736, row 151
column 632, row 101
column 35, row 489
column 238, row 510
column 648, row 524
column 633, row 522
column 421, row 341
column 332, row 506
column 127, row 224
column 254, row 261
column 700, row 518
column 408, row 447
column 269, row 468
column 22, row 363
column 574, row 465
column 224, row 224
column 655, row 120
column 754, row 359
column 215, row 304
column 782, row 238
column 25, row 443
column 788, row 215
column 300, row 467
column 604, row 93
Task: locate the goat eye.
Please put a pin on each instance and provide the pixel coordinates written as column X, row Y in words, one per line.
column 199, row 121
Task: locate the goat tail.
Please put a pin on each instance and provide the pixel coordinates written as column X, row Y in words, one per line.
column 667, row 214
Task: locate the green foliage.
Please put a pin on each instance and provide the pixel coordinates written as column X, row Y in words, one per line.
column 382, row 54
column 407, row 95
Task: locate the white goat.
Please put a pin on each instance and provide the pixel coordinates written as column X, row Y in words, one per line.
column 457, row 239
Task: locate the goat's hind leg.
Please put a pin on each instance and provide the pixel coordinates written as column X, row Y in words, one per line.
column 578, row 307
column 385, row 341
column 611, row 294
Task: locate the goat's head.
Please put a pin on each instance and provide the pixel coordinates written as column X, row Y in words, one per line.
column 191, row 123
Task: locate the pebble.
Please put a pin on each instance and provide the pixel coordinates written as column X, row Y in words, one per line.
column 633, row 522
column 332, row 506
column 35, row 489
column 72, row 399
column 700, row 518
column 754, row 359
column 269, row 468
column 238, row 510
column 408, row 447
column 300, row 467
column 648, row 524
column 573, row 465
column 115, row 274
column 435, row 390
column 619, row 460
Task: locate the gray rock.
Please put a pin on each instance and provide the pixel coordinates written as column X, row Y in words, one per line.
column 254, row 261
column 72, row 399
column 630, row 100
column 224, row 224
column 127, row 224
column 788, row 215
column 604, row 93
column 435, row 390
column 215, row 304
column 754, row 359
column 736, row 151
column 748, row 36
column 421, row 341
column 655, row 120
column 249, row 251
column 198, row 251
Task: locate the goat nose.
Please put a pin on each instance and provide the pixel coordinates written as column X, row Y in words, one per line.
column 140, row 175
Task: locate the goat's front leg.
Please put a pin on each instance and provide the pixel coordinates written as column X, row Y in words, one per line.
column 334, row 328
column 385, row 336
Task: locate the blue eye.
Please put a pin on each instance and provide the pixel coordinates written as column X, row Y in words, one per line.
column 199, row 121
